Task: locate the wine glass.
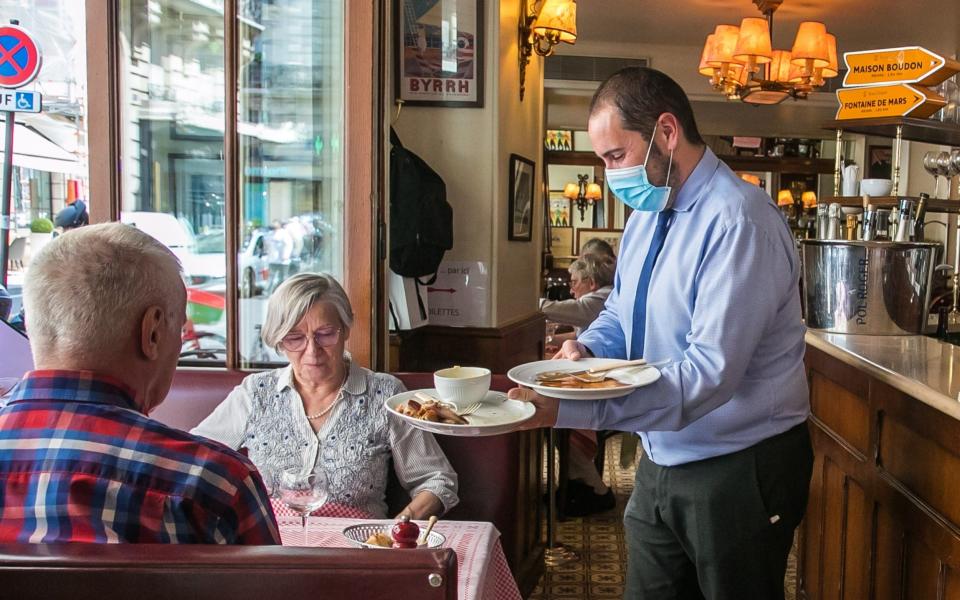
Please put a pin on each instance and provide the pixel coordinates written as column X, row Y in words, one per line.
column 303, row 492
column 930, row 165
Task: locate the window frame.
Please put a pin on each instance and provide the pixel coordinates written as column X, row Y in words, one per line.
column 362, row 161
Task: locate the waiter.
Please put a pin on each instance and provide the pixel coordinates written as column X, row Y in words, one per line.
column 707, row 279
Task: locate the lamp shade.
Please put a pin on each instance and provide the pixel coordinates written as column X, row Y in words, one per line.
column 811, row 44
column 750, row 178
column 809, row 199
column 780, row 66
column 557, row 18
column 725, row 42
column 753, row 43
column 784, row 198
column 594, row 192
column 704, row 68
column 831, row 70
column 571, row 191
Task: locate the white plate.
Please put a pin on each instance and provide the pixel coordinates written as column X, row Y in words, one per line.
column 632, row 377
column 496, row 415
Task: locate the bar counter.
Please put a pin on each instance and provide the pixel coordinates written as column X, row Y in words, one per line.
column 884, row 514
column 922, row 367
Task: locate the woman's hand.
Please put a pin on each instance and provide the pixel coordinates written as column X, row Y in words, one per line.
column 423, row 506
column 573, row 350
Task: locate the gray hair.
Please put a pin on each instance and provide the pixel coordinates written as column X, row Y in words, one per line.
column 599, row 269
column 295, row 297
column 87, row 290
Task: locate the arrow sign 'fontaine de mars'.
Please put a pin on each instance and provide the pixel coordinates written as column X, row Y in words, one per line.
column 911, row 64
column 899, row 100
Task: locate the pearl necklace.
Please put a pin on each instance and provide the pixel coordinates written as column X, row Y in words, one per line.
column 323, row 412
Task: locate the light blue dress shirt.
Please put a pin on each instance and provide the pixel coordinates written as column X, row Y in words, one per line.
column 724, row 308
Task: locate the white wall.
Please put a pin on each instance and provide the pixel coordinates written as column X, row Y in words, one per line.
column 470, row 149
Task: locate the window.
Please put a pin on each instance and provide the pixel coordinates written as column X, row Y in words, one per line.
column 291, row 164
column 283, row 181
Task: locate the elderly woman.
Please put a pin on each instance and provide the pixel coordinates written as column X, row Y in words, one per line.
column 322, row 411
column 591, row 280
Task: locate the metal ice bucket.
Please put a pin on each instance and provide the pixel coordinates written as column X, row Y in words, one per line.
column 875, row 288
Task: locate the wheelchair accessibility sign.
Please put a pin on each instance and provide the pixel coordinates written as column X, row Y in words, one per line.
column 20, row 101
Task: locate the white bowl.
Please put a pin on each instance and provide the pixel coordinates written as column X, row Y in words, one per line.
column 876, row 187
column 462, row 386
column 358, row 535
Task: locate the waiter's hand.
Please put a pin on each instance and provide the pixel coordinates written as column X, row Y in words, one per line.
column 573, row 350
column 547, row 408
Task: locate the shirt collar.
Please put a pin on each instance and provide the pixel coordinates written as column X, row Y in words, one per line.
column 696, row 183
column 73, row 386
column 355, row 385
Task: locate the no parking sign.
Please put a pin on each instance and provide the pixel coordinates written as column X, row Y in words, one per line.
column 19, row 64
column 19, row 57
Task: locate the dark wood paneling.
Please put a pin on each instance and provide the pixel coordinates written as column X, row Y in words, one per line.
column 936, row 482
column 921, row 571
column 842, row 411
column 496, row 348
column 833, row 523
column 856, row 547
column 888, row 556
column 884, row 503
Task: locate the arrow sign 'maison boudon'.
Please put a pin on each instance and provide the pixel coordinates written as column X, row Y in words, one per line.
column 910, row 64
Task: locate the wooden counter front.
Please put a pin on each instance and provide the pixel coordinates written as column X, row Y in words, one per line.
column 884, row 514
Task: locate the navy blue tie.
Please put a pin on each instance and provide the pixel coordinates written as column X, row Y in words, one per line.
column 643, row 284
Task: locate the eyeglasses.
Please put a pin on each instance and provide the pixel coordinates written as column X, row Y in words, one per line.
column 322, row 338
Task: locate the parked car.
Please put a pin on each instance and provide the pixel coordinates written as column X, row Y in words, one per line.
column 176, row 234
column 210, row 263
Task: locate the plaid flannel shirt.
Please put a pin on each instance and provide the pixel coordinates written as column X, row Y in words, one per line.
column 78, row 463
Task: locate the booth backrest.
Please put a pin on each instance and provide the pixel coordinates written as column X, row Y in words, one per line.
column 166, row 572
column 488, row 467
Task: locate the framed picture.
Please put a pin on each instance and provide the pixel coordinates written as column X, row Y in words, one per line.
column 558, row 140
column 439, row 49
column 561, row 241
column 520, row 205
column 879, row 162
column 559, row 208
column 610, row 236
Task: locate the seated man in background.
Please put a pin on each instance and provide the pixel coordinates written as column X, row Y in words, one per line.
column 80, row 461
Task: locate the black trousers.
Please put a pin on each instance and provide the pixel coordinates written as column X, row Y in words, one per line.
column 719, row 528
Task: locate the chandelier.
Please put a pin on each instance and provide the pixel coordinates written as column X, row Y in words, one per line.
column 742, row 65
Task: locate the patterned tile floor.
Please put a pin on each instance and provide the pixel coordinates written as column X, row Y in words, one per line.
column 600, row 543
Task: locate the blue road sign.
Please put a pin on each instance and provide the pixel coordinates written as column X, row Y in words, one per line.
column 20, row 101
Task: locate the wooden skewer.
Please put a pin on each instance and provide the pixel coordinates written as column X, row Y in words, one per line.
column 426, row 534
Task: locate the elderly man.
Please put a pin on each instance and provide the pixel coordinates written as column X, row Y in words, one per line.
column 80, row 461
column 706, row 279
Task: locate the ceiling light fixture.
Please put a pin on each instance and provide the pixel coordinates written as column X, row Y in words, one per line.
column 541, row 30
column 742, row 64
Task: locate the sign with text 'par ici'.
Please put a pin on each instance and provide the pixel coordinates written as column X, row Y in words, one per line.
column 899, row 100
column 910, row 64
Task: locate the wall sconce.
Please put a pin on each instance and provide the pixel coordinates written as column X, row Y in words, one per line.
column 809, row 199
column 583, row 193
column 785, row 198
column 541, row 30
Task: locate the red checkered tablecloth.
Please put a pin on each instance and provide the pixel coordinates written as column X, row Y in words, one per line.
column 482, row 570
column 327, row 510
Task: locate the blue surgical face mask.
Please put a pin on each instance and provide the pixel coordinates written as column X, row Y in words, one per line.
column 631, row 185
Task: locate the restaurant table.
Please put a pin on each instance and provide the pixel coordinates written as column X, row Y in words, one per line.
column 482, row 570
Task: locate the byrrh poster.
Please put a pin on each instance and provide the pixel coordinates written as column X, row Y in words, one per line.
column 440, row 52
